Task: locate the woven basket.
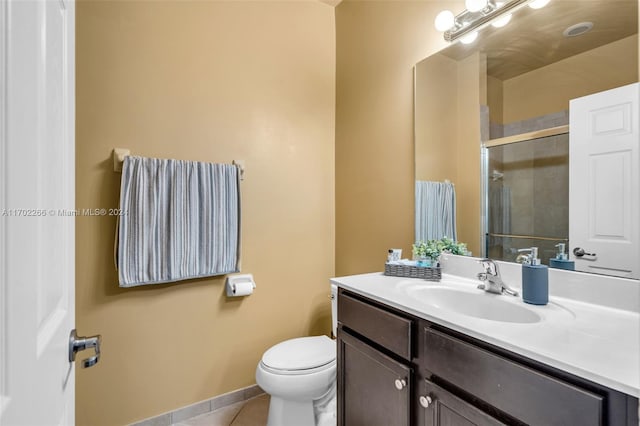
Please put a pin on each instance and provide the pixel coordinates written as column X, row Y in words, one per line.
column 426, row 273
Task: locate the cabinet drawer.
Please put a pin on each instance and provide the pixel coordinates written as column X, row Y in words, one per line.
column 528, row 395
column 383, row 327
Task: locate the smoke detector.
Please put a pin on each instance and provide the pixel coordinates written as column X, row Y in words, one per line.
column 578, row 29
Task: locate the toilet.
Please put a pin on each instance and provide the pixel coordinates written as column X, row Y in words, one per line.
column 300, row 376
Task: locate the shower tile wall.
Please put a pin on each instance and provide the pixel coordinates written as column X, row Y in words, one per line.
column 560, row 118
column 551, row 187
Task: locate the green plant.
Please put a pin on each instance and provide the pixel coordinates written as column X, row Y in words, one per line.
column 453, row 247
column 433, row 248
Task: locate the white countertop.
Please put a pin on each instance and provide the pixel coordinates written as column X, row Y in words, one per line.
column 595, row 342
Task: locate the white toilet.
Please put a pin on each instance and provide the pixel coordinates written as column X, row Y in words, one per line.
column 299, row 374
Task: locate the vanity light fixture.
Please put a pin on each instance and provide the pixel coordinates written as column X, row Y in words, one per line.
column 503, row 20
column 477, row 15
column 469, row 38
column 475, row 5
column 538, row 4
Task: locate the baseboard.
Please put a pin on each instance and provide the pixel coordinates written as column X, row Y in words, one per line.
column 202, row 407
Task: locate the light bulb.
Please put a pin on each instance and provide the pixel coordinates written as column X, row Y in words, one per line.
column 475, row 5
column 469, row 38
column 444, row 20
column 538, row 4
column 502, row 21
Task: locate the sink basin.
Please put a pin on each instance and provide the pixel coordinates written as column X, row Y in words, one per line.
column 475, row 304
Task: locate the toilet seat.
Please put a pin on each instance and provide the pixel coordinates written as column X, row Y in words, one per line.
column 304, row 355
column 306, row 371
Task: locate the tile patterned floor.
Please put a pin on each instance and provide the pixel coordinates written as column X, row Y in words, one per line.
column 252, row 412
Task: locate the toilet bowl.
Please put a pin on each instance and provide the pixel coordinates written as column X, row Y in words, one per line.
column 298, row 374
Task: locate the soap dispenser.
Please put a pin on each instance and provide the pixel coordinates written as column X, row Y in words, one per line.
column 561, row 261
column 535, row 279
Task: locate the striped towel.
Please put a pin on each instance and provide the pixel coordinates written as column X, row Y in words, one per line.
column 180, row 220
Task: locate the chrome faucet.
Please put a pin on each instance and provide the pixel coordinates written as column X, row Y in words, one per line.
column 492, row 281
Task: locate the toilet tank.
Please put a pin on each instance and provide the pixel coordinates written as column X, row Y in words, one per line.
column 334, row 309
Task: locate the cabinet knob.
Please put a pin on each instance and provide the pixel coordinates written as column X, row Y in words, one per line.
column 400, row 384
column 425, row 401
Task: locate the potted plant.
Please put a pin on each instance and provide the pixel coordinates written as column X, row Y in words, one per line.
column 428, row 252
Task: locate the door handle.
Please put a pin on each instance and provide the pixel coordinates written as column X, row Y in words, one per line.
column 77, row 344
column 579, row 252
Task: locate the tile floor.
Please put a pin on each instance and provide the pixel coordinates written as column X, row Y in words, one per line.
column 252, row 412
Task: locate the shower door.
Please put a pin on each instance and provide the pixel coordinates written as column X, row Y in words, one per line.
column 527, row 197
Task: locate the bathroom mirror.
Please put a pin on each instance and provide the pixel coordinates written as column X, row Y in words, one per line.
column 515, row 83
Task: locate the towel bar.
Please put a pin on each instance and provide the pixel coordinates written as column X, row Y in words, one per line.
column 118, row 158
column 120, row 153
column 240, row 165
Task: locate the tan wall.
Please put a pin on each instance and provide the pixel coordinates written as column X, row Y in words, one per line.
column 550, row 88
column 378, row 43
column 436, row 121
column 207, row 81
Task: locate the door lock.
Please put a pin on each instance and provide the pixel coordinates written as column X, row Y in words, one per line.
column 77, row 344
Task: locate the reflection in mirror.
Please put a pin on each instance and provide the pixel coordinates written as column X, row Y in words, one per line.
column 528, row 197
column 516, row 80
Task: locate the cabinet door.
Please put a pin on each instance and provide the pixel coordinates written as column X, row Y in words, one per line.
column 373, row 388
column 442, row 408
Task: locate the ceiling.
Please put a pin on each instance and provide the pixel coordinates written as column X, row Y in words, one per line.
column 534, row 38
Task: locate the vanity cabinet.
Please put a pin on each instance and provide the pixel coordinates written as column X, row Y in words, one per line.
column 376, row 389
column 397, row 369
column 375, row 375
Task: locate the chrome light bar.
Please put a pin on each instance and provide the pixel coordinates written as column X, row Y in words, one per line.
column 467, row 22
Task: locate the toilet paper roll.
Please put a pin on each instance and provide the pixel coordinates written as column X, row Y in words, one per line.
column 243, row 289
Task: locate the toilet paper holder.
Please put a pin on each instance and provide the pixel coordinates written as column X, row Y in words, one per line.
column 240, row 285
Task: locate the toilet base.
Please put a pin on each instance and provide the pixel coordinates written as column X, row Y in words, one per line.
column 290, row 413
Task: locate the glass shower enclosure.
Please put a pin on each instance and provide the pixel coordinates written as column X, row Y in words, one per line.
column 526, row 196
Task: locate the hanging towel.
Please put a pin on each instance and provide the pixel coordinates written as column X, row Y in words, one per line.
column 181, row 220
column 435, row 210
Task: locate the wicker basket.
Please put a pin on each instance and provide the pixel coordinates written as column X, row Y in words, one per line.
column 426, row 273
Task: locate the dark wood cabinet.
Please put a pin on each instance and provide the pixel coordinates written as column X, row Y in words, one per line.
column 395, row 369
column 521, row 392
column 442, row 408
column 375, row 388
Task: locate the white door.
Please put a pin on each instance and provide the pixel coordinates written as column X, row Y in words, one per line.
column 36, row 189
column 604, row 182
